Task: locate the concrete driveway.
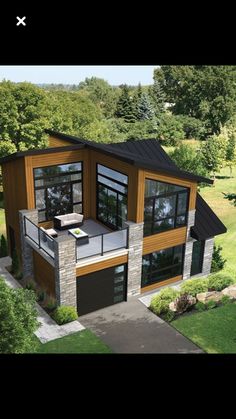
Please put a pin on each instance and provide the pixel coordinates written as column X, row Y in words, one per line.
column 129, row 327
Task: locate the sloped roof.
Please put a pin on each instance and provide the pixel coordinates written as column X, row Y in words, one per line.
column 147, row 154
column 207, row 224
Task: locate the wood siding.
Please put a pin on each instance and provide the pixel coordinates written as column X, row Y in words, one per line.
column 44, row 274
column 57, row 142
column 115, row 164
column 160, row 284
column 15, row 196
column 108, row 263
column 164, row 240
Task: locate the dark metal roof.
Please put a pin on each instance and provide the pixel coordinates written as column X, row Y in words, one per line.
column 134, row 152
column 207, row 224
column 148, row 149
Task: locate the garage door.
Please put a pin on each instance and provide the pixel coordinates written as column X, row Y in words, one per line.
column 101, row 289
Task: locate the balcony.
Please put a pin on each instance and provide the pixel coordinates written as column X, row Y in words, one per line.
column 101, row 240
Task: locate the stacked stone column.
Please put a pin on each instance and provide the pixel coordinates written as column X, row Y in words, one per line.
column 188, row 246
column 135, row 240
column 65, row 270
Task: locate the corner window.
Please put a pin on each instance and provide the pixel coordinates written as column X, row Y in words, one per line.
column 197, row 257
column 165, row 206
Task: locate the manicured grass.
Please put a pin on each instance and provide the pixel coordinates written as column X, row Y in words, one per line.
column 84, row 342
column 213, row 330
column 2, row 222
column 226, row 212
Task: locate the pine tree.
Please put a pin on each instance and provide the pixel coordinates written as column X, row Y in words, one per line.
column 145, row 109
column 158, row 97
column 136, row 100
column 125, row 108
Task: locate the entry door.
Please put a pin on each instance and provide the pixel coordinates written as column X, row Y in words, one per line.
column 101, row 289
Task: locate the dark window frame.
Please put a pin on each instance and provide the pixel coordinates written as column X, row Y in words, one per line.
column 155, row 271
column 45, row 187
column 99, row 183
column 174, row 217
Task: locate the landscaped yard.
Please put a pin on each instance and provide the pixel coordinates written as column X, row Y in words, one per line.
column 84, row 342
column 213, row 330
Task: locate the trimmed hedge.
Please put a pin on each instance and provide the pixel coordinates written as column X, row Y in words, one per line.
column 218, row 282
column 64, row 314
column 194, row 286
column 160, row 302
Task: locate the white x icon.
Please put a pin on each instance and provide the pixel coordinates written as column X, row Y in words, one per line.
column 21, row 21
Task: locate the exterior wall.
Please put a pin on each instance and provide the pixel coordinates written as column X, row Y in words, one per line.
column 15, row 197
column 134, row 272
column 164, row 240
column 207, row 258
column 26, row 249
column 188, row 246
column 65, row 270
column 44, row 274
column 57, row 142
column 97, row 266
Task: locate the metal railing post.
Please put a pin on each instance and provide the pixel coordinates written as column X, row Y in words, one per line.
column 39, row 238
column 102, row 246
column 127, row 238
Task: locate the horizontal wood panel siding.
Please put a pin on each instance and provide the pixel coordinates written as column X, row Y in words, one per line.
column 57, row 142
column 108, row 263
column 115, row 164
column 161, row 284
column 15, row 195
column 60, row 157
column 164, row 240
column 44, row 274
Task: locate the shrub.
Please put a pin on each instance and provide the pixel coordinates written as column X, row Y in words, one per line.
column 218, row 262
column 15, row 263
column 64, row 314
column 211, row 304
column 40, row 295
column 30, row 286
column 160, row 302
column 200, row 306
column 194, row 286
column 188, row 159
column 226, row 300
column 3, row 246
column 168, row 316
column 183, row 303
column 218, row 282
column 51, row 304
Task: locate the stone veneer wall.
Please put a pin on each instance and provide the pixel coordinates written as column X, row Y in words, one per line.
column 188, row 246
column 207, row 258
column 135, row 240
column 65, row 270
column 26, row 249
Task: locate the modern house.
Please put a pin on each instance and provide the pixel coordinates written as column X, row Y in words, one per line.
column 96, row 223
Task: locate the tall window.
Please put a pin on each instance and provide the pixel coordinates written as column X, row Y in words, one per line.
column 197, row 257
column 162, row 265
column 165, row 206
column 58, row 190
column 112, row 188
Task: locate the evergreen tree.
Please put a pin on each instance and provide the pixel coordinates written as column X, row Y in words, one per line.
column 125, row 108
column 157, row 96
column 145, row 109
column 136, row 100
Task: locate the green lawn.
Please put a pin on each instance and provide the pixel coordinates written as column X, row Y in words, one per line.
column 213, row 330
column 226, row 212
column 2, row 222
column 84, row 342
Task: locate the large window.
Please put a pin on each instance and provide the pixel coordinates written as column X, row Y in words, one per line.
column 197, row 257
column 58, row 190
column 162, row 265
column 112, row 188
column 165, row 206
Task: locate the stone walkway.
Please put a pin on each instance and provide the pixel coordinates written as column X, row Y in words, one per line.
column 49, row 329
